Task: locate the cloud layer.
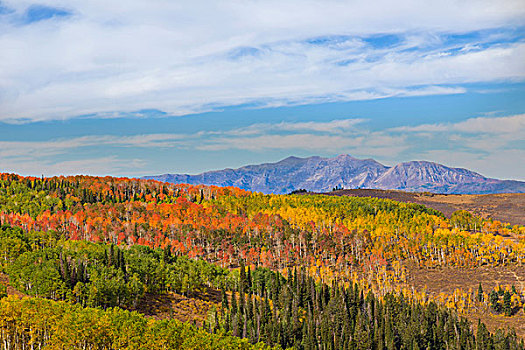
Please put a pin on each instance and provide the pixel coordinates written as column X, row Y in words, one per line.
column 490, row 145
column 62, row 59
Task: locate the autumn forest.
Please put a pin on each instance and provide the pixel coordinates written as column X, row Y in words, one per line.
column 87, row 261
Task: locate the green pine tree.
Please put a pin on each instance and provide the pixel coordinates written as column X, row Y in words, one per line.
column 507, row 308
column 480, row 293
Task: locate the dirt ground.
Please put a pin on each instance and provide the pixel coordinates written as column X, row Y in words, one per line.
column 446, row 280
column 4, row 279
column 192, row 308
column 507, row 207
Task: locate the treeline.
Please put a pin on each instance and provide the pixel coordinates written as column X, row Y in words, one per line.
column 298, row 313
column 44, row 324
column 33, row 195
column 341, row 206
column 98, row 274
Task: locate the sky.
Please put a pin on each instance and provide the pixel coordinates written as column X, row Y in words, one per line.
column 132, row 88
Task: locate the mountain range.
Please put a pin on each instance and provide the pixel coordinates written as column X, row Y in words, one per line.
column 318, row 174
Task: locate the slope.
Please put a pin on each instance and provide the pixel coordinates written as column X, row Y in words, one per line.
column 319, row 174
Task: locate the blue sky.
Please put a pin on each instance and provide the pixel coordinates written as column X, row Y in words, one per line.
column 145, row 87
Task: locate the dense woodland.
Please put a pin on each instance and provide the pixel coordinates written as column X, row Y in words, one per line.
column 38, row 323
column 308, row 272
column 100, row 275
column 298, row 313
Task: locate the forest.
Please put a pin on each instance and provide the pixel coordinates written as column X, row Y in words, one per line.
column 291, row 271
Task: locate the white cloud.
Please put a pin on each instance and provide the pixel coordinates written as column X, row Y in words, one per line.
column 500, row 163
column 235, row 138
column 366, row 145
column 110, row 165
column 490, row 145
column 185, row 56
column 336, row 136
column 289, row 142
column 503, row 125
column 509, row 125
column 334, row 126
column 13, row 149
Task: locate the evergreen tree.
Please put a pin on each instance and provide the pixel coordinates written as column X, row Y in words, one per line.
column 507, row 307
column 224, row 300
column 480, row 293
column 494, row 301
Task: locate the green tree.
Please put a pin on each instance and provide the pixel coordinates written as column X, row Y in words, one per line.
column 494, row 301
column 480, row 293
column 507, row 307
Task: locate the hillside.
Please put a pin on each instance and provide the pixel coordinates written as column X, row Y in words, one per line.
column 283, row 271
column 504, row 207
column 317, row 174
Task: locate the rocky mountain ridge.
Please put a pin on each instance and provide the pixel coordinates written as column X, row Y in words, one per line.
column 318, row 174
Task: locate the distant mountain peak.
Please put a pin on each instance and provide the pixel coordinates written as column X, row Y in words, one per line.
column 291, row 159
column 318, row 174
column 345, row 156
